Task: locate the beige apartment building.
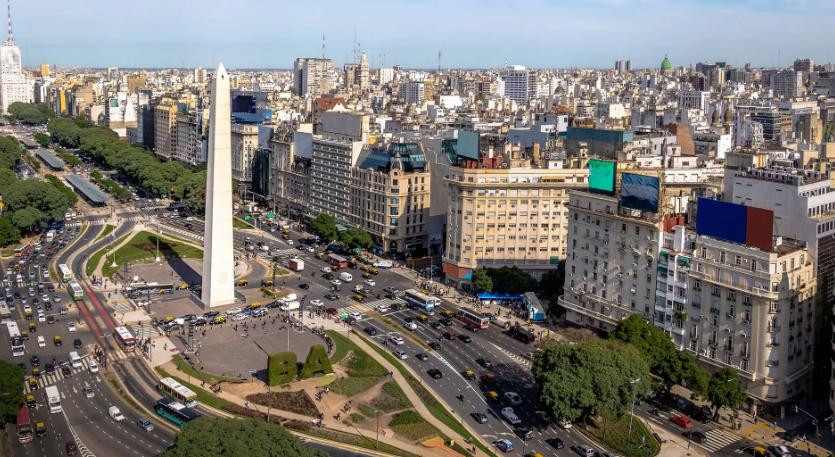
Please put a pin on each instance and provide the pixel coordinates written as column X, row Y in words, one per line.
column 165, row 129
column 514, row 216
column 244, row 146
column 390, row 196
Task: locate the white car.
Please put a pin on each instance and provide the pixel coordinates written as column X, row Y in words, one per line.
column 370, row 282
column 310, row 249
column 316, row 302
column 94, row 367
column 400, row 354
column 396, row 339
column 511, row 416
column 240, row 317
column 290, row 242
column 336, row 282
column 355, row 314
column 71, row 327
column 233, row 311
column 410, row 325
column 41, row 341
column 326, row 269
column 41, row 316
column 382, row 308
column 512, row 398
column 564, row 424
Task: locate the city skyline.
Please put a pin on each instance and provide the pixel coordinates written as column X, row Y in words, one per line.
column 585, row 33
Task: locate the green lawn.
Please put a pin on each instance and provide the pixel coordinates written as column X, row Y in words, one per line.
column 341, row 346
column 144, row 246
column 186, row 368
column 432, row 404
column 614, row 432
column 363, row 371
column 367, row 442
column 106, row 231
column 94, row 259
column 391, row 398
column 203, row 396
column 351, row 386
column 411, row 425
column 239, row 223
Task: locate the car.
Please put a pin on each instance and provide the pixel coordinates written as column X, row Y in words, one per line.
column 94, row 367
column 753, row 450
column 370, row 282
column 682, row 421
column 316, row 302
column 45, row 298
column 390, row 290
column 240, row 317
column 144, row 424
column 336, row 282
column 564, row 424
column 422, row 356
column 780, row 451
column 332, row 296
column 472, row 328
column 88, row 391
column 233, row 311
column 525, row 433
column 76, row 343
column 304, row 286
column 71, row 327
column 56, row 340
column 436, row 325
column 396, row 338
column 468, row 374
column 435, row 373
column 434, row 345
column 481, row 418
column 200, row 321
column 484, row 363
column 370, row 331
column 49, row 367
column 400, row 354
column 510, row 415
column 556, row 443
column 71, row 448
column 450, row 335
column 66, row 371
column 465, row 338
column 695, row 436
column 504, row 445
column 41, row 316
column 218, row 320
column 41, row 341
column 56, row 298
column 35, row 361
column 586, row 451
column 512, row 398
column 355, row 314
column 445, row 321
column 410, row 325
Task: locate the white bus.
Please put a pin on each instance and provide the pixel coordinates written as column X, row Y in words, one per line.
column 53, row 399
column 177, row 391
column 426, row 303
column 75, row 290
column 50, row 235
column 5, row 313
column 15, row 339
column 64, row 272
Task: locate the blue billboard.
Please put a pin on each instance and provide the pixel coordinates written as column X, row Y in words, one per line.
column 639, row 192
column 722, row 220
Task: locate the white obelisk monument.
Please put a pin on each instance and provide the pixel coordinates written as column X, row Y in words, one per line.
column 218, row 257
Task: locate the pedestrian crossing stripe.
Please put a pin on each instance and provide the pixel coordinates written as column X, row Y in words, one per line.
column 516, row 358
column 717, row 439
column 144, row 330
column 48, row 379
column 363, row 307
column 123, row 307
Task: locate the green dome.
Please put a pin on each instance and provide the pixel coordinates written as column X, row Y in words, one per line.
column 665, row 64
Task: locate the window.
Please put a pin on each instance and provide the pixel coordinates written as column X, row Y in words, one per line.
column 738, row 260
column 722, row 257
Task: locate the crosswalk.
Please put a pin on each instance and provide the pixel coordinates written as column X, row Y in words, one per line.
column 516, row 358
column 366, row 306
column 47, row 379
column 122, row 307
column 717, row 439
column 144, row 330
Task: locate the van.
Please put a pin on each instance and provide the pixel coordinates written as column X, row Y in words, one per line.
column 289, row 298
column 345, row 277
column 41, row 341
column 586, row 450
column 290, row 306
column 75, row 360
column 115, row 414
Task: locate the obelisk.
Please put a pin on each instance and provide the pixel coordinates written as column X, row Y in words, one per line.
column 218, row 256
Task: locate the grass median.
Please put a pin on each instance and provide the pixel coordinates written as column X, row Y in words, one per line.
column 144, row 246
column 94, row 259
column 203, row 397
column 239, row 223
column 614, row 434
column 106, row 231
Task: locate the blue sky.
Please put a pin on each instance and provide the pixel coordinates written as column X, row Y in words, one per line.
column 469, row 33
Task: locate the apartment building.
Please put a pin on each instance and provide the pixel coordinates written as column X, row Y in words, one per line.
column 165, row 126
column 244, row 147
column 514, row 216
column 390, row 197
column 312, row 77
column 330, row 175
column 292, row 153
column 189, row 131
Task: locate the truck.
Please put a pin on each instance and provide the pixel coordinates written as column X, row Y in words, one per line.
column 50, row 235
column 53, row 399
column 115, row 414
column 296, row 264
column 510, row 415
column 345, row 277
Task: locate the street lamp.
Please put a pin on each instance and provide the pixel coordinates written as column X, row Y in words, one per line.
column 632, row 413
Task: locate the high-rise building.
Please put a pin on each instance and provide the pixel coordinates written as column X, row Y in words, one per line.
column 623, row 66
column 44, row 70
column 244, row 147
column 693, row 99
column 165, row 125
column 363, row 78
column 312, row 77
column 386, row 75
column 189, row 131
column 519, row 82
column 787, row 84
column 14, row 87
column 412, row 92
column 804, row 65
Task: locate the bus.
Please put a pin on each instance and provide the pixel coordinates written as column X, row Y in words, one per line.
column 24, row 425
column 65, row 272
column 5, row 312
column 474, row 318
column 22, row 249
column 177, row 391
column 425, row 303
column 15, row 339
column 53, row 398
column 176, row 413
column 74, row 288
column 124, row 338
column 337, row 261
column 139, row 289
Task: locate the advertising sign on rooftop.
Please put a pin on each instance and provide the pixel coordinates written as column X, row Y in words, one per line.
column 639, row 192
column 735, row 223
column 602, row 176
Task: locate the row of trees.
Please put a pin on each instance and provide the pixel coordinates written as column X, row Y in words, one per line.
column 30, row 113
column 30, row 204
column 325, row 226
column 164, row 179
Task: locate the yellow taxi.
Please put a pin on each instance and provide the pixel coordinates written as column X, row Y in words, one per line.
column 367, row 275
column 168, row 318
column 468, row 374
column 242, row 282
column 373, row 270
column 40, row 429
column 534, row 454
column 30, row 401
column 33, row 327
column 267, row 282
column 33, row 383
column 36, row 372
column 255, row 305
column 492, row 395
column 218, row 320
column 56, row 340
column 447, row 313
column 423, row 317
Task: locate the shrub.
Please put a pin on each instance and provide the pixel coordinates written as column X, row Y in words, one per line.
column 317, row 362
column 281, row 368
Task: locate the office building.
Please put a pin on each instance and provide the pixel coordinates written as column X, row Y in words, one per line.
column 244, row 147
column 312, row 77
column 693, row 99
column 165, row 125
column 519, row 84
column 787, row 84
column 189, row 131
column 412, row 92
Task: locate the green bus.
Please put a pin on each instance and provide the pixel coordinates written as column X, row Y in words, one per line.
column 175, row 412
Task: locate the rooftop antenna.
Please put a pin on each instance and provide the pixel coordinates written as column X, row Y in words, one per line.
column 323, row 45
column 439, row 61
column 10, row 39
column 356, row 56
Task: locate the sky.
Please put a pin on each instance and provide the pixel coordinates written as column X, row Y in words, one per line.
column 468, row 33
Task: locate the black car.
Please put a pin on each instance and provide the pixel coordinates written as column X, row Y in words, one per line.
column 481, row 418
column 72, row 449
column 465, row 338
column 36, row 362
column 695, row 436
column 304, row 286
column 371, row 331
column 328, row 276
column 65, row 369
column 446, row 321
column 422, row 356
column 524, row 433
column 76, row 343
column 211, row 314
column 390, row 290
column 556, row 443
column 332, row 297
column 435, row 373
column 49, row 367
column 436, row 325
column 50, row 319
column 197, row 322
column 484, row 363
column 434, row 345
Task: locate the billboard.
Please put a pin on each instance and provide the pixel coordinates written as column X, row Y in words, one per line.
column 639, row 192
column 735, row 223
column 468, row 144
column 602, row 176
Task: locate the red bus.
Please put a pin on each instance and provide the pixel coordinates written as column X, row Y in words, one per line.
column 24, row 425
column 22, row 249
column 124, row 338
column 337, row 261
column 473, row 318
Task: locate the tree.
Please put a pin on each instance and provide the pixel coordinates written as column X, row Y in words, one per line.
column 42, row 138
column 511, row 280
column 357, row 238
column 31, row 113
column 11, row 388
column 551, row 284
column 207, row 437
column 325, row 226
column 577, row 381
column 725, row 389
column 482, row 280
column 649, row 339
column 28, row 219
column 9, row 234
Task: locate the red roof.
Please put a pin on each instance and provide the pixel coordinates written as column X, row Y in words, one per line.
column 327, row 104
